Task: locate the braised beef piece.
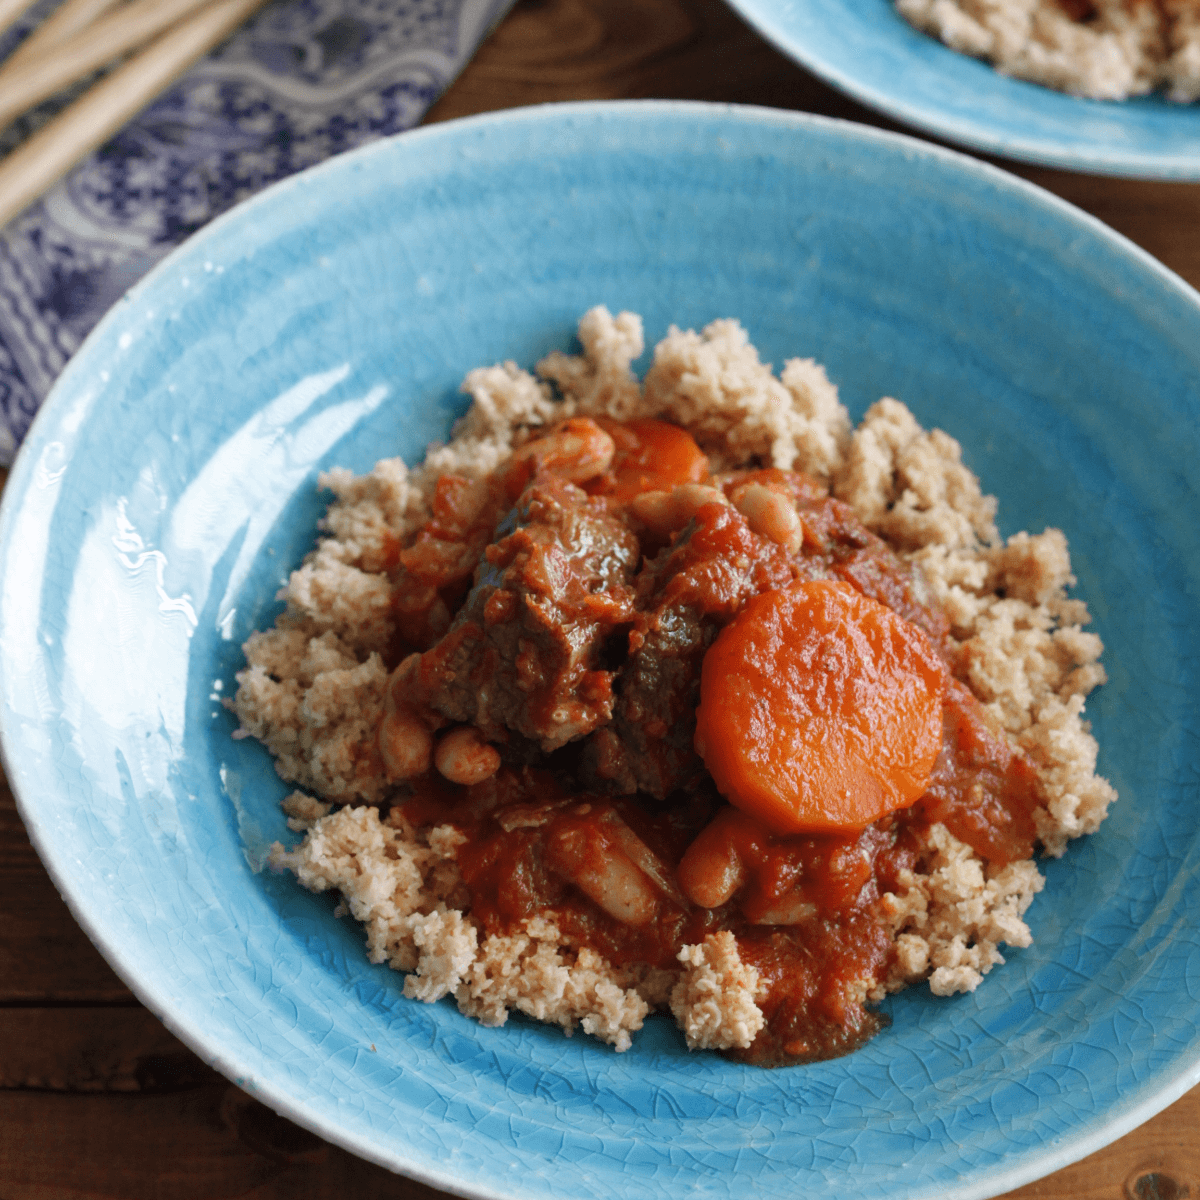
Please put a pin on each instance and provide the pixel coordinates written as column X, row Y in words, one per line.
column 684, row 596
column 524, row 651
column 838, row 544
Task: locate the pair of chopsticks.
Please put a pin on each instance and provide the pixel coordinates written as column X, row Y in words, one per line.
column 162, row 37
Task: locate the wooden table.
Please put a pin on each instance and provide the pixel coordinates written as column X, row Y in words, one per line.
column 96, row 1098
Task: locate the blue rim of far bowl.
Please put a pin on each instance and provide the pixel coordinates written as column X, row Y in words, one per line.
column 1006, row 120
column 1167, row 1085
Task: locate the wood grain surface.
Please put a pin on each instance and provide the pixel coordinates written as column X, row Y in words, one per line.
column 97, row 1099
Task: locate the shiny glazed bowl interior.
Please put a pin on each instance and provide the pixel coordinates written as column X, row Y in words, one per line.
column 168, row 487
column 867, row 50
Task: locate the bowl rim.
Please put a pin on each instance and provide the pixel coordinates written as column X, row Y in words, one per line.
column 1044, row 151
column 1169, row 1086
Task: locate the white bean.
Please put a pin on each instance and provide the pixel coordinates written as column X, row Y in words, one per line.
column 464, row 757
column 405, row 744
column 664, row 513
column 770, row 514
column 404, row 740
column 791, row 909
column 711, row 871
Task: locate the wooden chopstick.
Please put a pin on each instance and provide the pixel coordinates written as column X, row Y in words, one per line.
column 131, row 25
column 10, row 10
column 50, row 153
column 67, row 19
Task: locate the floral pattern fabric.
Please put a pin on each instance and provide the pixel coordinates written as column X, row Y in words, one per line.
column 303, row 80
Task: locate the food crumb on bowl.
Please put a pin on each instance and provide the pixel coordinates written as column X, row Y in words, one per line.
column 554, row 879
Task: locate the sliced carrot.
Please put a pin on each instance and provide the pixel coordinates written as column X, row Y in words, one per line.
column 820, row 709
column 650, row 456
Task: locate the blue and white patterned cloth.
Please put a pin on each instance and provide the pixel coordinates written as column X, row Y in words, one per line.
column 303, row 80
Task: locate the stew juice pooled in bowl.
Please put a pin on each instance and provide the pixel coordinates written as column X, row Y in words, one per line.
column 678, row 694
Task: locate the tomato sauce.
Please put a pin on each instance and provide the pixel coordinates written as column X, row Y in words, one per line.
column 620, row 835
column 814, row 1003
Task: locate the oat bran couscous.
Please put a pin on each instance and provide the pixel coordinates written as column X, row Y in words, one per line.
column 502, row 687
column 1098, row 49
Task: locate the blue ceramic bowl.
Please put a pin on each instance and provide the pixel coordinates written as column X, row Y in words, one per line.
column 865, row 48
column 168, row 487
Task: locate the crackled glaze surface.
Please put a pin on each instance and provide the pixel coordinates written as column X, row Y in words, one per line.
column 865, row 48
column 168, row 487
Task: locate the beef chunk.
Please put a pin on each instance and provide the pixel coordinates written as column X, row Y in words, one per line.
column 524, row 652
column 685, row 595
column 838, row 544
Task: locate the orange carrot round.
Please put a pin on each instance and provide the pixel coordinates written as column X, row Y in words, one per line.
column 650, row 456
column 820, row 710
